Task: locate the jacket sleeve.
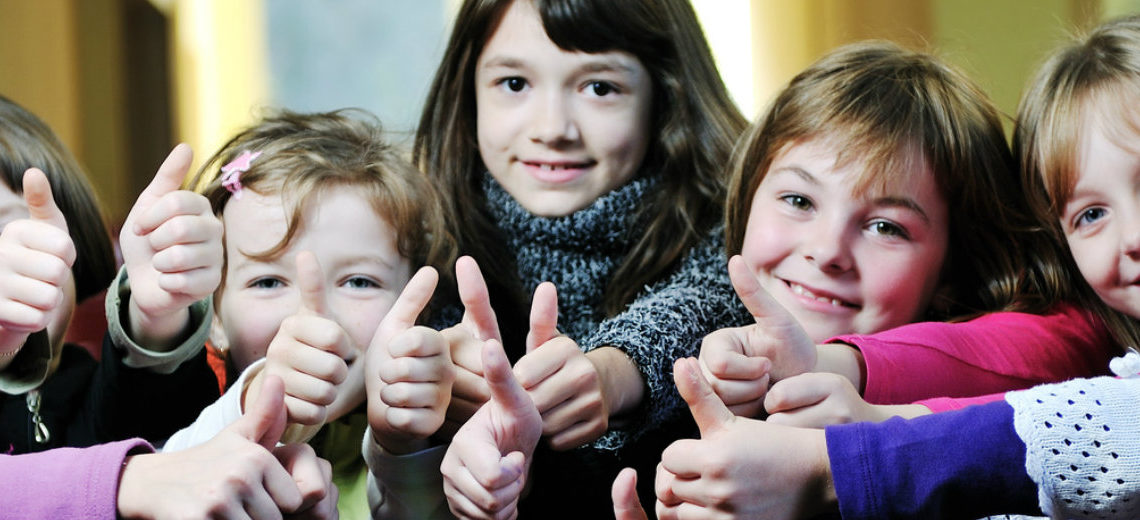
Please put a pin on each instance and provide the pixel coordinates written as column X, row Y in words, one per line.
column 962, row 464
column 667, row 322
column 65, row 483
column 1082, row 442
column 404, row 486
column 994, row 353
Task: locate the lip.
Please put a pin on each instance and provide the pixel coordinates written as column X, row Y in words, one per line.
column 557, row 171
column 818, row 299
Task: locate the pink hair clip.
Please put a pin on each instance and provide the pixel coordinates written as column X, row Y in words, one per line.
column 231, row 172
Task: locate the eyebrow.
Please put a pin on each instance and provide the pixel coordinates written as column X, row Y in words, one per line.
column 593, row 65
column 899, row 202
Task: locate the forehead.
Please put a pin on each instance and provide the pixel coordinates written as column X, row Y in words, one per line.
column 255, row 222
column 868, row 173
column 520, row 40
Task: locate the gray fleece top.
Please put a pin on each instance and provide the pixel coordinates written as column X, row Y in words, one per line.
column 579, row 253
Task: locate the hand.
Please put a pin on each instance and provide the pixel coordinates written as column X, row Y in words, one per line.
column 739, row 468
column 486, row 465
column 624, row 494
column 563, row 382
column 172, row 249
column 465, row 340
column 308, row 353
column 313, row 476
column 36, row 255
column 739, row 362
column 408, row 372
column 815, row 400
column 234, row 475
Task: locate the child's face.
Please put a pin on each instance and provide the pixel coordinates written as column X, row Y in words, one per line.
column 842, row 263
column 558, row 129
column 13, row 207
column 1101, row 220
column 356, row 249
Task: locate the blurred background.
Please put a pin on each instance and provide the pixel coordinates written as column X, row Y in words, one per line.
column 121, row 81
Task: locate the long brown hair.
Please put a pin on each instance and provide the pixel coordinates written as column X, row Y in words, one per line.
column 693, row 129
column 1097, row 74
column 26, row 142
column 876, row 101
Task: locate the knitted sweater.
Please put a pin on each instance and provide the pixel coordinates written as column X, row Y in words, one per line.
column 579, row 253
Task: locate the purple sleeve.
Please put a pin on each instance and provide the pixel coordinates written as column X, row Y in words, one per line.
column 65, row 483
column 966, row 464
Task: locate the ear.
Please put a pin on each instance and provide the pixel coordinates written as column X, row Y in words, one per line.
column 218, row 333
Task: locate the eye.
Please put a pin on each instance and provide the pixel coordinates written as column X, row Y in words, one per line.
column 361, row 282
column 1089, row 216
column 797, row 201
column 267, row 283
column 513, row 83
column 888, row 229
column 601, row 88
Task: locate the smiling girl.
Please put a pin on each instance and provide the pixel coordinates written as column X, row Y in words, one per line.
column 582, row 143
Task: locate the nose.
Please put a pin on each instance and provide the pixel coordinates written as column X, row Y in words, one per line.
column 554, row 122
column 1130, row 237
column 827, row 248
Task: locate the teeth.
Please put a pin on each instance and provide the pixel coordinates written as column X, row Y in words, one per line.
column 551, row 167
column 799, row 289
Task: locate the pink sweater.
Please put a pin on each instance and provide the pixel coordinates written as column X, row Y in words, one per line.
column 935, row 364
column 65, row 483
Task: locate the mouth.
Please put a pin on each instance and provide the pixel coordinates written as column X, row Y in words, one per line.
column 820, row 296
column 554, row 166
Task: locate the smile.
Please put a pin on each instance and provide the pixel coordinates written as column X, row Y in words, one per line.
column 834, row 302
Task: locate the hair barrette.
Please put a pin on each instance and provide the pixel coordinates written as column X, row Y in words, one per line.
column 231, row 172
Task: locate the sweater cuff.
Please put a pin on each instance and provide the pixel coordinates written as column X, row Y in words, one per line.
column 404, row 486
column 138, row 356
column 30, row 367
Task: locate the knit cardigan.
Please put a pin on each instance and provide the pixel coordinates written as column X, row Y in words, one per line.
column 579, row 254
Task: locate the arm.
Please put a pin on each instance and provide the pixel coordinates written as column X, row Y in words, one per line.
column 1091, row 472
column 993, row 353
column 665, row 323
column 65, row 482
column 931, row 467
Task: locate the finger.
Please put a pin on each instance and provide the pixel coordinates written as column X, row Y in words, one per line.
column 411, row 302
column 168, row 178
column 797, row 392
column 311, row 282
column 686, row 458
column 624, row 495
column 505, row 389
column 181, row 217
column 476, row 299
column 543, row 316
column 264, row 420
column 708, row 410
column 758, row 302
column 721, row 360
column 309, row 473
column 38, row 197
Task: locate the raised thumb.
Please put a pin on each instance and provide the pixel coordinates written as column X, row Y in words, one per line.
column 264, row 420
column 543, row 316
column 311, row 283
column 505, row 389
column 38, row 197
column 708, row 410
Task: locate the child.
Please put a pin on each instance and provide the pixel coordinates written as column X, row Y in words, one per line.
column 580, row 143
column 1076, row 440
column 842, row 233
column 54, row 252
column 323, row 223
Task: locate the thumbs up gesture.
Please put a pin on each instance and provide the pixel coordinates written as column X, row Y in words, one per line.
column 739, row 468
column 485, row 468
column 240, row 473
column 308, row 353
column 465, row 341
column 172, row 249
column 740, row 362
column 408, row 372
column 563, row 382
column 624, row 495
column 36, row 254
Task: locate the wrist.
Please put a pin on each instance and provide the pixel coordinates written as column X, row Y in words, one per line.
column 622, row 385
column 154, row 330
column 842, row 359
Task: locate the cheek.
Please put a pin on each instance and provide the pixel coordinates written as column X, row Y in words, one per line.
column 764, row 243
column 363, row 320
column 1093, row 260
column 250, row 331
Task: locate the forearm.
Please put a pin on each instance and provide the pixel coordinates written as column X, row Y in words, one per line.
column 160, row 333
